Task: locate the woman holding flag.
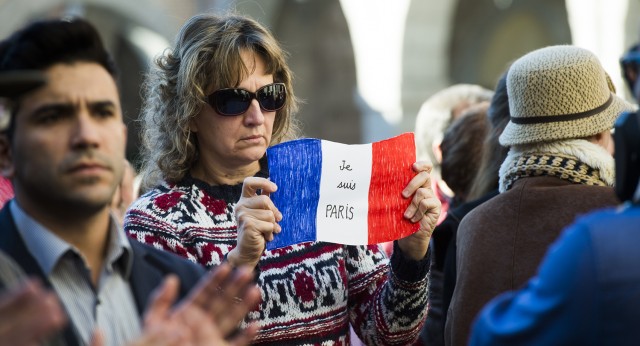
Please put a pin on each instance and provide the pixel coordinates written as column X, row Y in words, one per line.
column 205, row 135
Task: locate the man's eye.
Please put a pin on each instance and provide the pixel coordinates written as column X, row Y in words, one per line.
column 49, row 117
column 104, row 112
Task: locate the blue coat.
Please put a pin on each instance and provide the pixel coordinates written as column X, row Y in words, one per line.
column 587, row 291
column 149, row 268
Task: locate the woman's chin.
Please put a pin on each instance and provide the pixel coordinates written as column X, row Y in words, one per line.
column 252, row 156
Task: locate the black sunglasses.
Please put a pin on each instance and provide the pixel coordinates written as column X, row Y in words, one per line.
column 236, row 101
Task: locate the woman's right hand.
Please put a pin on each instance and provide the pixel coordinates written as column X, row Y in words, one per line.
column 257, row 219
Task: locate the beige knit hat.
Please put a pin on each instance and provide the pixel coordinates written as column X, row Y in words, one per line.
column 559, row 92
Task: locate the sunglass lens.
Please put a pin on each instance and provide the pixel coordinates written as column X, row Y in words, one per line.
column 231, row 101
column 236, row 101
column 272, row 97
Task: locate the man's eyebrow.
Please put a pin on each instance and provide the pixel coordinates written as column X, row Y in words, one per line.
column 67, row 107
column 101, row 104
column 62, row 106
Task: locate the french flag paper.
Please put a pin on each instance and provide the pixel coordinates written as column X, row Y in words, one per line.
column 340, row 193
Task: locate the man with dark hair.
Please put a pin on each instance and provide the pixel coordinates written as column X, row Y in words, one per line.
column 63, row 150
column 24, row 305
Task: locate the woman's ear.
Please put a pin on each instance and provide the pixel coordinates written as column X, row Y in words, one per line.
column 193, row 124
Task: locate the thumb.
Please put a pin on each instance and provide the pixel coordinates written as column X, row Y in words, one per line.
column 251, row 185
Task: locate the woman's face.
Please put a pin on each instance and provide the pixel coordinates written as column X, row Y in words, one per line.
column 232, row 141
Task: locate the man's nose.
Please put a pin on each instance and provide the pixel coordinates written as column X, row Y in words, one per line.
column 86, row 131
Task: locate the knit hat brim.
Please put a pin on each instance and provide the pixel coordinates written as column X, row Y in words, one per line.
column 516, row 134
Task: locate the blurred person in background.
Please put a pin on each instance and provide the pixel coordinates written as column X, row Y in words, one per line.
column 215, row 101
column 462, row 153
column 486, row 181
column 461, row 148
column 562, row 108
column 435, row 116
column 630, row 66
column 484, row 187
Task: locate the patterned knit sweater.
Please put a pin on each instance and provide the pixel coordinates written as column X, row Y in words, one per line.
column 311, row 292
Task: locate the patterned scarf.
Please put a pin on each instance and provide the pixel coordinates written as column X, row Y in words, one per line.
column 576, row 161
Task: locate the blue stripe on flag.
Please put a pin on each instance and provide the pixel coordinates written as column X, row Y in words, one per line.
column 295, row 167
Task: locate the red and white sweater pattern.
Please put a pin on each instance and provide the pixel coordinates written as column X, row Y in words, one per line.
column 311, row 292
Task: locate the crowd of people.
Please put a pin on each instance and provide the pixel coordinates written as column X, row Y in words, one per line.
column 501, row 255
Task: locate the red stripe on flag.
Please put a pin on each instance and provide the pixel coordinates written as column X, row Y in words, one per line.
column 390, row 173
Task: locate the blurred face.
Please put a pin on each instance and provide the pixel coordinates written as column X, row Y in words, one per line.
column 636, row 89
column 240, row 140
column 67, row 151
column 605, row 140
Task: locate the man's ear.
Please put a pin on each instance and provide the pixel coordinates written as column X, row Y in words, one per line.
column 6, row 159
column 437, row 151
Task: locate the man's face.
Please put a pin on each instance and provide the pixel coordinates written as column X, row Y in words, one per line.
column 67, row 150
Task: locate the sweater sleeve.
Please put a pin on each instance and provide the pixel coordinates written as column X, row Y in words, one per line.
column 153, row 220
column 387, row 299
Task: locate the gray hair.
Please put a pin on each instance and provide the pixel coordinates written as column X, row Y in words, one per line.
column 436, row 114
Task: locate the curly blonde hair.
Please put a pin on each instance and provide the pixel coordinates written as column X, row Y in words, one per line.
column 205, row 56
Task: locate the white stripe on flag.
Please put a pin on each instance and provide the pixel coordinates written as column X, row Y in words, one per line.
column 346, row 175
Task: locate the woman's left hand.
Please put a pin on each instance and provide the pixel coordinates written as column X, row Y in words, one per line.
column 424, row 208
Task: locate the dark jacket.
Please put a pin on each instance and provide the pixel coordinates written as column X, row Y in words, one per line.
column 150, row 266
column 502, row 242
column 442, row 272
